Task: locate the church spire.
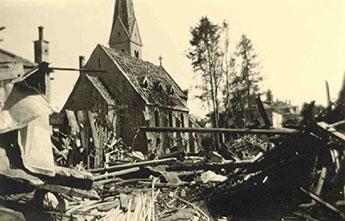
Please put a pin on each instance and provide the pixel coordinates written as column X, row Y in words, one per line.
column 125, row 31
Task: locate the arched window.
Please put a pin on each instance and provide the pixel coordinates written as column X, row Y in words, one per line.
column 156, row 118
column 170, row 119
column 182, row 120
column 136, row 53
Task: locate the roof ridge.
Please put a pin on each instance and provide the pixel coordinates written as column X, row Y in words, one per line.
column 17, row 56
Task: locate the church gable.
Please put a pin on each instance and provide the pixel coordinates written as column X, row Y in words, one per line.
column 113, row 80
column 88, row 94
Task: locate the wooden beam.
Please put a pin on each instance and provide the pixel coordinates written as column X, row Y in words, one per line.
column 218, row 130
column 262, row 112
column 331, row 130
column 75, row 69
column 117, row 173
column 90, row 194
column 129, row 165
column 326, row 204
column 163, row 185
column 96, row 140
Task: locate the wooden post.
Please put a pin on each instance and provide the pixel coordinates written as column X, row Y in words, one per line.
column 84, row 133
column 96, row 140
column 328, row 94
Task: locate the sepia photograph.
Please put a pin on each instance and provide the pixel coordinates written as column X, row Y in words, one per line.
column 158, row 110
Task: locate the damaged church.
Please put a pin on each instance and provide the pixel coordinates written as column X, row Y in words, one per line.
column 121, row 93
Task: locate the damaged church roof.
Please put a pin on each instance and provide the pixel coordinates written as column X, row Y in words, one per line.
column 136, row 70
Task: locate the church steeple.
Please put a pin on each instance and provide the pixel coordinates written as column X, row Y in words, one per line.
column 125, row 31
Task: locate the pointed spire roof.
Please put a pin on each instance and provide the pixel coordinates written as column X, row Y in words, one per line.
column 124, row 10
column 125, row 33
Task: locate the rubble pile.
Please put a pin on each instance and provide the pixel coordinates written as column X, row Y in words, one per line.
column 301, row 176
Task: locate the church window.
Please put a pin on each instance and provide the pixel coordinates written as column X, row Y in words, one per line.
column 158, row 86
column 145, row 83
column 182, row 120
column 156, row 118
column 99, row 63
column 170, row 89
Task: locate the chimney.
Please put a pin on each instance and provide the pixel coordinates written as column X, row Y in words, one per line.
column 40, row 33
column 41, row 48
column 81, row 63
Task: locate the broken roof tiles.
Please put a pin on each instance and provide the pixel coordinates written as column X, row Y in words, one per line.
column 137, row 71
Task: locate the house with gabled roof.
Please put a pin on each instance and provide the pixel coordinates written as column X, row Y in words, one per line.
column 146, row 93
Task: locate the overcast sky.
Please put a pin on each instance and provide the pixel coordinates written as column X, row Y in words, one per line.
column 300, row 43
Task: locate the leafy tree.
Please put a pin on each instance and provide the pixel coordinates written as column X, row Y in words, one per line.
column 206, row 57
column 244, row 83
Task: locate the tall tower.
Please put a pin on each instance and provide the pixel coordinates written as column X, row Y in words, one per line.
column 125, row 31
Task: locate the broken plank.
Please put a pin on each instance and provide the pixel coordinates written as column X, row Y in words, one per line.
column 129, row 165
column 305, row 216
column 117, row 173
column 134, row 180
column 326, row 204
column 102, row 182
column 330, row 129
column 90, row 194
column 162, row 185
column 213, row 166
